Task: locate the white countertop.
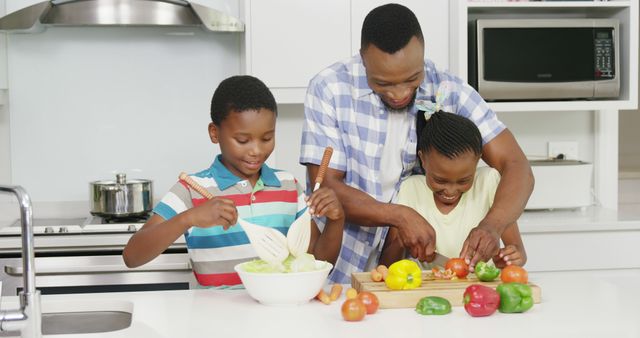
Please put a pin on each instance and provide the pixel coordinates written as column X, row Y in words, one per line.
column 593, row 218
column 574, row 304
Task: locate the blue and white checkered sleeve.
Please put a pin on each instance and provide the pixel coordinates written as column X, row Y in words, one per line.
column 320, row 128
column 473, row 106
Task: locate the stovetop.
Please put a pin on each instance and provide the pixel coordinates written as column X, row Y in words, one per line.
column 86, row 225
column 68, row 234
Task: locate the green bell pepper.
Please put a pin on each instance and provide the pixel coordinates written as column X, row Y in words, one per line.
column 486, row 272
column 514, row 297
column 433, row 305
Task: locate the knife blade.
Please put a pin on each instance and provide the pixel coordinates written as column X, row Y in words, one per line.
column 440, row 260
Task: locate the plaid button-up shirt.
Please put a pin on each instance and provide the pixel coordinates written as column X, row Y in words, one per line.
column 343, row 112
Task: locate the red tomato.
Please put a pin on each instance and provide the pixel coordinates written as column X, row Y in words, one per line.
column 353, row 310
column 457, row 266
column 370, row 301
column 514, row 273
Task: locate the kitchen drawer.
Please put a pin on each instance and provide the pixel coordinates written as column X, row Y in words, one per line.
column 582, row 250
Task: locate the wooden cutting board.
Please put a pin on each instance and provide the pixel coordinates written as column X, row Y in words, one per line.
column 452, row 290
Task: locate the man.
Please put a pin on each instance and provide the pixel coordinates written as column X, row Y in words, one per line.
column 364, row 109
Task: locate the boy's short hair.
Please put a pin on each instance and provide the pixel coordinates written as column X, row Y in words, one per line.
column 449, row 134
column 390, row 27
column 240, row 93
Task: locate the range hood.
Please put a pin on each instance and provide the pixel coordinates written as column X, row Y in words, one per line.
column 36, row 18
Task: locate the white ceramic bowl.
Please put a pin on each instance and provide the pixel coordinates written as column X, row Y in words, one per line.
column 292, row 288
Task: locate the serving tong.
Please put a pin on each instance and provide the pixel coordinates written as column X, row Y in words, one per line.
column 270, row 244
column 299, row 233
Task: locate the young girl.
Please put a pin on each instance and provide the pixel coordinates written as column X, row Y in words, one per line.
column 454, row 195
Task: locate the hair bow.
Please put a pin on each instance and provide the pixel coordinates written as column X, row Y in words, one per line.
column 429, row 107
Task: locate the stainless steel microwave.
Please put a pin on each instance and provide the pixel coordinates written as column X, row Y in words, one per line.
column 531, row 59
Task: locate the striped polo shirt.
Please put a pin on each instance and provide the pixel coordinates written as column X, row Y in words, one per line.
column 275, row 201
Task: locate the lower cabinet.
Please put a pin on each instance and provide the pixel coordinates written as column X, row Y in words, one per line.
column 582, row 250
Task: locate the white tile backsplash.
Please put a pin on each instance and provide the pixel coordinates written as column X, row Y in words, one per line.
column 88, row 102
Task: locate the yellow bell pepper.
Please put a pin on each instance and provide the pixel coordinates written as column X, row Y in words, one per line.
column 404, row 275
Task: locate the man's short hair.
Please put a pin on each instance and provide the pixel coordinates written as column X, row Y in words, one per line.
column 390, row 27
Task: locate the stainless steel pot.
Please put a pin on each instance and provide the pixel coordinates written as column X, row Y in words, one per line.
column 121, row 198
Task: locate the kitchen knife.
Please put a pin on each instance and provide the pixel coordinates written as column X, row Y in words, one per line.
column 440, row 260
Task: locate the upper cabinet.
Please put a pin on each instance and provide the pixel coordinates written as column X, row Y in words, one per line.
column 463, row 13
column 287, row 42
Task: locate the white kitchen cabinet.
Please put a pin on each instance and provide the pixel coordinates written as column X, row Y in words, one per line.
column 581, row 239
column 433, row 16
column 582, row 250
column 288, row 41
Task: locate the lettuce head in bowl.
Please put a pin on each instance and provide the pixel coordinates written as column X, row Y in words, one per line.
column 294, row 282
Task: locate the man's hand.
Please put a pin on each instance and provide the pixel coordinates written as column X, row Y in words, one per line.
column 416, row 234
column 482, row 244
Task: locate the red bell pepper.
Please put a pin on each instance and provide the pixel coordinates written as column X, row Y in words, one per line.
column 480, row 300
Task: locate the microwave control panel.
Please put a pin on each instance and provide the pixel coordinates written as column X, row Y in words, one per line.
column 604, row 54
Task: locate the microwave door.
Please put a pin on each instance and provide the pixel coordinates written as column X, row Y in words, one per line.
column 531, row 62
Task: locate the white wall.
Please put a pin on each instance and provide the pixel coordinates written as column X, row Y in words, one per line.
column 5, row 154
column 534, row 130
column 87, row 102
column 288, row 136
column 75, row 104
column 629, row 144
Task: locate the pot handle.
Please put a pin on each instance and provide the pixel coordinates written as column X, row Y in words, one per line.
column 121, row 178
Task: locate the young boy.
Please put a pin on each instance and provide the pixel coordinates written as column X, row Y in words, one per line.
column 453, row 196
column 243, row 114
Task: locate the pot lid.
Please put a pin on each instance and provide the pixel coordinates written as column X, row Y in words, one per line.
column 121, row 179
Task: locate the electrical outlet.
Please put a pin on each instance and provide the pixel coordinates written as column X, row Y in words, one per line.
column 568, row 149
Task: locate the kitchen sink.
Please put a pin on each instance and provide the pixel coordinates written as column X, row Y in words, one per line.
column 61, row 315
column 81, row 322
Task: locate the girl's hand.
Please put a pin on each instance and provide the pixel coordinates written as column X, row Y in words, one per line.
column 215, row 212
column 509, row 255
column 324, row 202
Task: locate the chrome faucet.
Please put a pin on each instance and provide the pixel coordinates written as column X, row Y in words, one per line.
column 28, row 318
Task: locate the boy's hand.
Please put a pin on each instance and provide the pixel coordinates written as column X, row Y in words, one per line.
column 324, row 202
column 509, row 255
column 216, row 211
